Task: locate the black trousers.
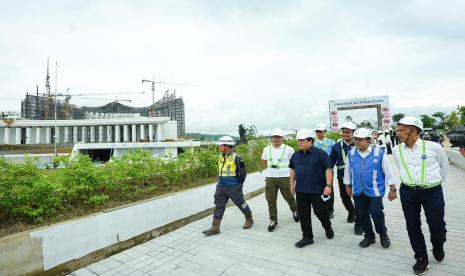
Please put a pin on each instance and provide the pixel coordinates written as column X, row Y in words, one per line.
column 305, row 202
column 371, row 207
column 432, row 201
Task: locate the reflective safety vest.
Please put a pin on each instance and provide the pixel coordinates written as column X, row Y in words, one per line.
column 227, row 170
column 411, row 181
column 366, row 174
column 277, row 164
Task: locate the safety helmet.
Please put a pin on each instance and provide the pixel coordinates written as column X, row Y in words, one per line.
column 380, row 132
column 348, row 125
column 226, row 140
column 363, row 133
column 320, row 126
column 411, row 121
column 305, row 133
column 277, row 132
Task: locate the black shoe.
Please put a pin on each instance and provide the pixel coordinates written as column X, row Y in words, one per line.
column 366, row 242
column 329, row 233
column 438, row 254
column 350, row 218
column 385, row 242
column 358, row 230
column 295, row 215
column 331, row 215
column 272, row 226
column 303, row 242
column 421, row 266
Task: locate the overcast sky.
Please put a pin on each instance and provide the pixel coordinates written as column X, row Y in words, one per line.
column 267, row 63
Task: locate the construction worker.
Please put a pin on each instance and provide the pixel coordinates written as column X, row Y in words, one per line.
column 423, row 168
column 275, row 158
column 311, row 179
column 231, row 174
column 338, row 157
column 326, row 145
column 366, row 174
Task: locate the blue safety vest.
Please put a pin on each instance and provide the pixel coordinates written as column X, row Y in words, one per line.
column 366, row 174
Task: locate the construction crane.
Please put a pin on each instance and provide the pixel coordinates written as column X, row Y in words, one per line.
column 153, row 81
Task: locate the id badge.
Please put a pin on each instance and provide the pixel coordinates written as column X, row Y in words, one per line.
column 423, row 157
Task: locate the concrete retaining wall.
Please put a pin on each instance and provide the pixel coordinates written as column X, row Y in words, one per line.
column 72, row 244
column 455, row 158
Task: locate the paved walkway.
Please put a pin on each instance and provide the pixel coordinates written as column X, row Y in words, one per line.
column 257, row 252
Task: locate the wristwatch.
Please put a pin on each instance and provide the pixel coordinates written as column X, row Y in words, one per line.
column 329, row 185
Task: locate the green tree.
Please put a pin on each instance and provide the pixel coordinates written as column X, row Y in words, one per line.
column 251, row 132
column 461, row 113
column 451, row 120
column 440, row 115
column 365, row 123
column 427, row 120
column 396, row 117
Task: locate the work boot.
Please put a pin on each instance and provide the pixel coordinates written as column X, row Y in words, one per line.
column 304, row 242
column 358, row 230
column 215, row 229
column 248, row 222
column 366, row 242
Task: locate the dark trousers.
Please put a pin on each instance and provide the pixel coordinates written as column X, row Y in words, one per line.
column 222, row 196
column 346, row 199
column 432, row 201
column 305, row 202
column 273, row 184
column 371, row 207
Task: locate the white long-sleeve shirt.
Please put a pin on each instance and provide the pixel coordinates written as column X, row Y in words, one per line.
column 437, row 165
column 388, row 175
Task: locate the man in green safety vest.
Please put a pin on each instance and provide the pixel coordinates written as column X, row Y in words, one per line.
column 275, row 158
column 423, row 168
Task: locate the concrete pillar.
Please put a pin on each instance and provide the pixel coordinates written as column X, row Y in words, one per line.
column 125, row 133
column 28, row 135
column 134, row 133
column 117, row 134
column 18, row 136
column 151, row 132
column 109, row 138
column 67, row 136
column 84, row 134
column 100, row 134
column 38, row 135
column 58, row 134
column 159, row 138
column 48, row 135
column 142, row 132
column 92, row 134
column 7, row 135
column 75, row 134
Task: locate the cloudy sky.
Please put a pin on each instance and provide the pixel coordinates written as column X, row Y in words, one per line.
column 266, row 63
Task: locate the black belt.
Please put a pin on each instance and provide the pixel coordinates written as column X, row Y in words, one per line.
column 418, row 187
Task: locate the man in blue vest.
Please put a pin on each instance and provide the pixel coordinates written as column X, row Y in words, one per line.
column 365, row 176
column 423, row 167
column 311, row 178
column 338, row 157
column 231, row 174
column 325, row 144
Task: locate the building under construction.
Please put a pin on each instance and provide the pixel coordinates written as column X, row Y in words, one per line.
column 42, row 107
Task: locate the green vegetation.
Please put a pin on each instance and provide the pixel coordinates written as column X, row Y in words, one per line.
column 29, row 195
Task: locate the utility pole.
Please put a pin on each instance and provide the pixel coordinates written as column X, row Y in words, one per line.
column 56, row 83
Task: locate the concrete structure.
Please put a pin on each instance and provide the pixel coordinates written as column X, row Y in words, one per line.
column 87, row 130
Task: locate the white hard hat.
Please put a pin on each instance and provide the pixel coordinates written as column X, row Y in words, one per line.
column 305, row 133
column 320, row 126
column 380, row 132
column 362, row 133
column 411, row 121
column 226, row 140
column 277, row 132
column 348, row 125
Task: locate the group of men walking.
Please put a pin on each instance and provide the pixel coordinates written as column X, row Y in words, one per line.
column 305, row 180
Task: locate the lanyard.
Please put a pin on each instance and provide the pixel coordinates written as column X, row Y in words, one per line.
column 423, row 165
column 280, row 158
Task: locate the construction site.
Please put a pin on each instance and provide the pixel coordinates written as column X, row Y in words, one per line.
column 48, row 106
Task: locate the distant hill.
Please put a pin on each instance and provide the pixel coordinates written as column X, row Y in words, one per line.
column 206, row 137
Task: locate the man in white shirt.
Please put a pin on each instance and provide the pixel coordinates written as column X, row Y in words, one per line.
column 366, row 175
column 423, row 168
column 275, row 158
